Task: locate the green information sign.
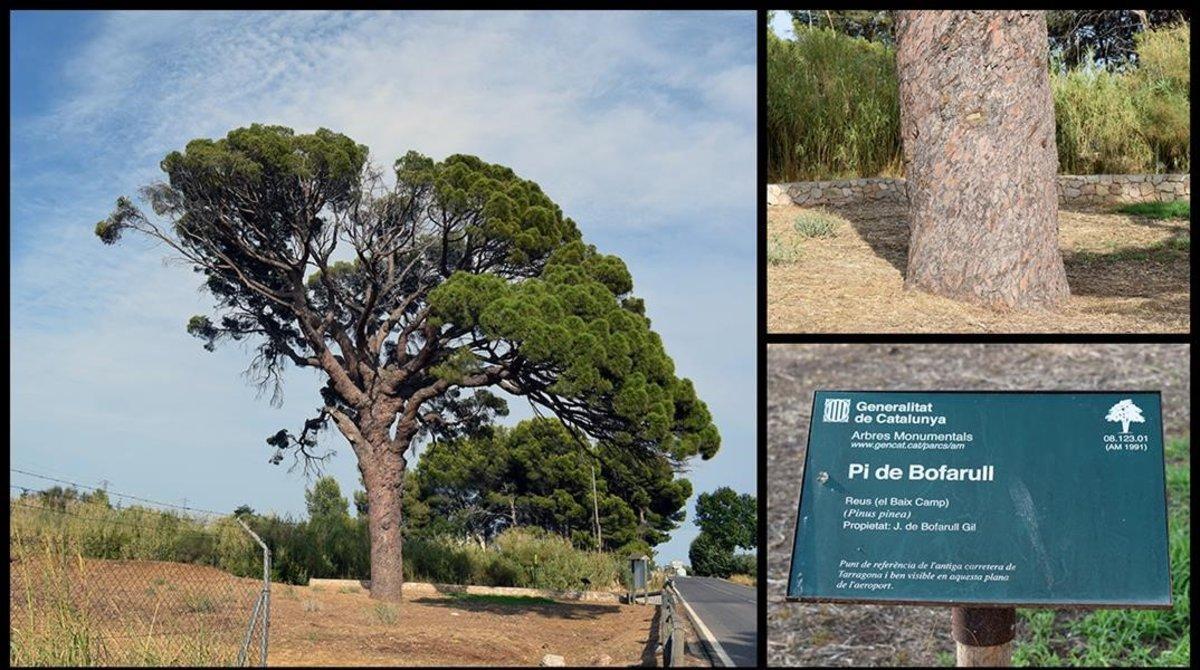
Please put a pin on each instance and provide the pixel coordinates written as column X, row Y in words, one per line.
column 983, row 498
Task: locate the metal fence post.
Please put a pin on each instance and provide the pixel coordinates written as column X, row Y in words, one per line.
column 264, row 598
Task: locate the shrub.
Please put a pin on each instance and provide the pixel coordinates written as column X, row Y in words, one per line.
column 781, row 251
column 810, row 223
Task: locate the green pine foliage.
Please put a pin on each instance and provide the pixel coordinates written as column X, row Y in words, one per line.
column 538, row 474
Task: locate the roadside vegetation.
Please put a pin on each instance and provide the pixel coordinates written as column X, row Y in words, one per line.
column 330, row 543
column 728, row 521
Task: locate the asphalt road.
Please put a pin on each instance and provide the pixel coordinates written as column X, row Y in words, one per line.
column 729, row 611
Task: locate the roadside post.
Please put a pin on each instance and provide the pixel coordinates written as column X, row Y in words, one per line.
column 983, row 502
column 639, row 566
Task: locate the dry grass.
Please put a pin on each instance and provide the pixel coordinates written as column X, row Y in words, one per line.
column 327, row 627
column 69, row 610
column 744, row 580
column 72, row 614
column 1127, row 274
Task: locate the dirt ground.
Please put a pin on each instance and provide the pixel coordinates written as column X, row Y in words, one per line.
column 1122, row 279
column 148, row 611
column 864, row 635
column 311, row 627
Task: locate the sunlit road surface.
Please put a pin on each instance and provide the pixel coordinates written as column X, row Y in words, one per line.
column 729, row 611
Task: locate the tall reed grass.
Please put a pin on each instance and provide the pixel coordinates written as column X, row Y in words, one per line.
column 832, row 107
column 833, row 113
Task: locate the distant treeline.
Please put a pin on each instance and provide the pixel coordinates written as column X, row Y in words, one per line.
column 833, row 109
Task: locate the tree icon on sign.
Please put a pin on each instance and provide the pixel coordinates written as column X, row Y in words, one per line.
column 1125, row 412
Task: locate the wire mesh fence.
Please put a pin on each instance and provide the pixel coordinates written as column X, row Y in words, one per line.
column 94, row 584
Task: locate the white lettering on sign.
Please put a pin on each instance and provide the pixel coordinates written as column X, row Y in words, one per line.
column 918, row 472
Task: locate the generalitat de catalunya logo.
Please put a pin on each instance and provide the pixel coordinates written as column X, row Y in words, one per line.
column 1125, row 413
column 837, row 410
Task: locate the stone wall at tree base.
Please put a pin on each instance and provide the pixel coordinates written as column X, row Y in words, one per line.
column 1099, row 189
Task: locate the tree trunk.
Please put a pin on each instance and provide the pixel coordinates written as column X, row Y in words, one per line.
column 384, row 482
column 977, row 123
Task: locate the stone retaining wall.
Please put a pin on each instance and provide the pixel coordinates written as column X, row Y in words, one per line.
column 1100, row 189
column 411, row 589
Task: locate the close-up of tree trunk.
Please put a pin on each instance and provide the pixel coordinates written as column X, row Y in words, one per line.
column 977, row 126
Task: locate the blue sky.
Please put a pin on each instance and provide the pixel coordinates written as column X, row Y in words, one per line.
column 640, row 125
column 781, row 24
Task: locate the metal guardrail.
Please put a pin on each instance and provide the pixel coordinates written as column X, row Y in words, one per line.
column 671, row 633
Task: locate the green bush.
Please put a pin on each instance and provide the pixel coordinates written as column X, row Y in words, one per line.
column 524, row 557
column 781, row 251
column 810, row 223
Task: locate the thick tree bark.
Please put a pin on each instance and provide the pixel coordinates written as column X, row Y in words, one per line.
column 977, row 122
column 384, row 484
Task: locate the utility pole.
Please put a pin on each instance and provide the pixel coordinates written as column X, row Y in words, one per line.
column 596, row 505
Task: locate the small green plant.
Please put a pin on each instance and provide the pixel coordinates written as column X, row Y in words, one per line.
column 386, row 614
column 816, row 224
column 1177, row 209
column 781, row 251
column 349, row 589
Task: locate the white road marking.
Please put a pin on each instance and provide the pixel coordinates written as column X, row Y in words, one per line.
column 722, row 657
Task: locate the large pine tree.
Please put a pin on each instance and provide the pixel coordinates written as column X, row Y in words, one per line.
column 412, row 297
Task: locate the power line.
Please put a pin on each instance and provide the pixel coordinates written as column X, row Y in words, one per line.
column 121, row 495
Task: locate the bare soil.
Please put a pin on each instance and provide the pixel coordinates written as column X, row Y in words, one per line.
column 312, row 627
column 864, row 635
column 1128, row 274
column 146, row 610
